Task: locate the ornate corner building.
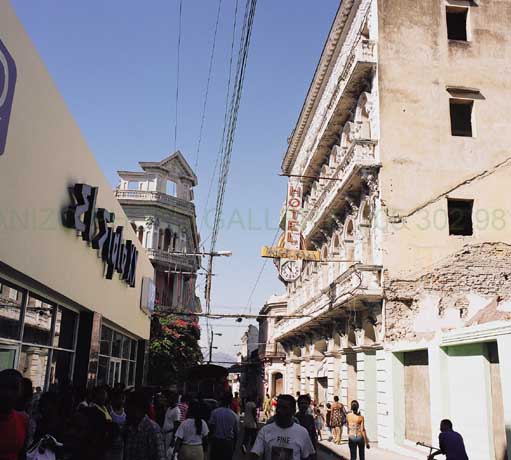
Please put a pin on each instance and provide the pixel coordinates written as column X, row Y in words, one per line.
column 159, row 204
column 401, row 153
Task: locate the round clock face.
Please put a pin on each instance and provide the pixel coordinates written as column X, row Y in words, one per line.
column 290, row 269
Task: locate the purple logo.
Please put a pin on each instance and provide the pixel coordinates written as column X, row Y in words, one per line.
column 7, row 84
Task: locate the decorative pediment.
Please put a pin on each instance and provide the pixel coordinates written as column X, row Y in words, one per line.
column 174, row 165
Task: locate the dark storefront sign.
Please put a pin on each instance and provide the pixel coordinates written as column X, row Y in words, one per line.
column 7, row 84
column 94, row 226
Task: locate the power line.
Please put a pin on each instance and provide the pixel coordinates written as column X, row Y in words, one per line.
column 228, row 92
column 177, row 71
column 211, row 58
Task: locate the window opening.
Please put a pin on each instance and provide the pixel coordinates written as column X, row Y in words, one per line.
column 460, row 217
column 457, row 20
column 461, row 117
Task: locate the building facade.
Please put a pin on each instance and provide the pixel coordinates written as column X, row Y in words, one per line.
column 401, row 153
column 75, row 284
column 271, row 353
column 159, row 203
column 248, row 364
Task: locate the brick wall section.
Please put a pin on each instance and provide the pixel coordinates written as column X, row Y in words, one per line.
column 482, row 269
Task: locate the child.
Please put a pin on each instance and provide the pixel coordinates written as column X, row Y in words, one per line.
column 319, row 420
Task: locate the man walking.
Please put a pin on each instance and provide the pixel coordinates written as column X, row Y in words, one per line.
column 283, row 439
column 224, row 430
column 249, row 424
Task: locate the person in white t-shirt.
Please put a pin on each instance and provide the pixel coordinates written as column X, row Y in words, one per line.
column 283, row 439
column 171, row 423
column 192, row 435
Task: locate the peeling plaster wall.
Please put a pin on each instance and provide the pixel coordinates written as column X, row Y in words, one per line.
column 416, row 62
column 471, row 287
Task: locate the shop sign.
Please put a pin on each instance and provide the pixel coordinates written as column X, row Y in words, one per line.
column 94, row 225
column 7, row 84
column 276, row 252
column 290, row 269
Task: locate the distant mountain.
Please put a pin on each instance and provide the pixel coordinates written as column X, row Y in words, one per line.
column 222, row 359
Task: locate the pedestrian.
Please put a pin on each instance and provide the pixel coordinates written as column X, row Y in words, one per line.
column 283, row 439
column 319, row 421
column 274, row 405
column 224, row 430
column 357, row 436
column 249, row 424
column 328, row 417
column 118, row 415
column 172, row 420
column 235, row 404
column 307, row 420
column 191, row 436
column 99, row 399
column 143, row 438
column 13, row 424
column 338, row 419
column 183, row 407
column 451, row 443
column 267, row 407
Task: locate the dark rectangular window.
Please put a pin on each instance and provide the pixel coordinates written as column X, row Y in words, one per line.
column 457, row 23
column 461, row 117
column 460, row 217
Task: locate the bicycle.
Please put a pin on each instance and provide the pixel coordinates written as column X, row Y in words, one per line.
column 431, row 448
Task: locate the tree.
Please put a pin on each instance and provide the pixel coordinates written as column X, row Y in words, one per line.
column 174, row 347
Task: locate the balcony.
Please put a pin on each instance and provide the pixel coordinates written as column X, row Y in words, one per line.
column 345, row 88
column 360, row 155
column 146, row 197
column 171, row 259
column 357, row 284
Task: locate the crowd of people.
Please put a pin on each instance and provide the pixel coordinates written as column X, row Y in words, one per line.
column 115, row 424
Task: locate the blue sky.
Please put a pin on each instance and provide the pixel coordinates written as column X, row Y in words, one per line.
column 115, row 65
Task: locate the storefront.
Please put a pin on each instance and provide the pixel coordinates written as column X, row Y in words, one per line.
column 76, row 287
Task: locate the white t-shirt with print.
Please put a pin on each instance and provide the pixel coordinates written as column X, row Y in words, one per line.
column 275, row 443
column 188, row 433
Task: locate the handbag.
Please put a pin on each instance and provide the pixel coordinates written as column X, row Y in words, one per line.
column 41, row 450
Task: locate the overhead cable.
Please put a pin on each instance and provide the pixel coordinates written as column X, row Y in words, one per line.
column 177, row 70
column 211, row 58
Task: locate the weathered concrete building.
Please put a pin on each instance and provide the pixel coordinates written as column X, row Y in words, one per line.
column 271, row 353
column 159, row 204
column 403, row 155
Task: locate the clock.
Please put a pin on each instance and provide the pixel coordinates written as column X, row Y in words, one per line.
column 290, row 269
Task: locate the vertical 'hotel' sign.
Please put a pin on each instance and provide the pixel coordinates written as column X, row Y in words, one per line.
column 7, row 84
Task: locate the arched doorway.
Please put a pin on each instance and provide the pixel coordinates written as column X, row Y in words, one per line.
column 277, row 384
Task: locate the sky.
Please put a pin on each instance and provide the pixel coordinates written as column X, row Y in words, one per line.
column 115, row 63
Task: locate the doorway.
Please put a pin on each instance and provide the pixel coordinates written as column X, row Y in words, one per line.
column 417, row 396
column 351, row 361
column 321, row 390
column 278, row 384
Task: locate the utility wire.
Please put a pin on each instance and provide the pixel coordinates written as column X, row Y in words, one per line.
column 177, row 71
column 228, row 92
column 211, row 58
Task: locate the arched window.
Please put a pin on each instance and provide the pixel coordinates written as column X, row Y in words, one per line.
column 134, row 227
column 160, row 239
column 167, row 239
column 140, row 234
column 325, row 266
column 349, row 242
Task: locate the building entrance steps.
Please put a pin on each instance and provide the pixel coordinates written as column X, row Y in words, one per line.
column 374, row 453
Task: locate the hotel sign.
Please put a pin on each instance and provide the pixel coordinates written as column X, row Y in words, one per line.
column 7, row 84
column 95, row 227
column 291, row 268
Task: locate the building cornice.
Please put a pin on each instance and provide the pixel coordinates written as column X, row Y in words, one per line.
column 330, row 51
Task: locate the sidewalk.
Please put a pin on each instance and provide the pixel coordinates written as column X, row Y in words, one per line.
column 374, row 453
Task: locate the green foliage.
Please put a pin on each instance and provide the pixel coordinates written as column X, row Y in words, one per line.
column 174, row 347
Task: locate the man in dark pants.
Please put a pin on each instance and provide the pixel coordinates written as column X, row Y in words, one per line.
column 223, row 425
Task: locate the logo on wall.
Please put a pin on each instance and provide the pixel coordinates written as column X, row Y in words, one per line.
column 7, row 84
column 94, row 225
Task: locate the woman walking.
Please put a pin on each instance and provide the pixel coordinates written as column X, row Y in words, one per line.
column 337, row 419
column 191, row 436
column 357, row 436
